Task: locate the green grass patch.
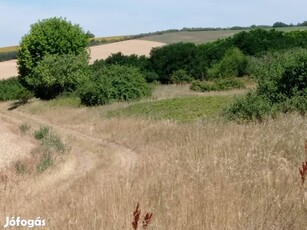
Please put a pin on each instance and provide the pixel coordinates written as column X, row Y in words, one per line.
column 179, row 109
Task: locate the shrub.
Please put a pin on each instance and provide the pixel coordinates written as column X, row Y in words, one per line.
column 114, row 83
column 11, row 89
column 217, row 85
column 53, row 36
column 233, row 64
column 180, row 76
column 41, row 133
column 282, row 86
column 249, row 108
column 294, row 79
column 151, row 77
column 170, row 58
column 45, row 162
column 24, row 128
column 56, row 74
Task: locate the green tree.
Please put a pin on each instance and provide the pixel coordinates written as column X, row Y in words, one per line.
column 53, row 36
column 170, row 58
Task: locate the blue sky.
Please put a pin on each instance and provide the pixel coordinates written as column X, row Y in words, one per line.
column 125, row 17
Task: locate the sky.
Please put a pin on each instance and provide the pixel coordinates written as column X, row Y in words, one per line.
column 128, row 17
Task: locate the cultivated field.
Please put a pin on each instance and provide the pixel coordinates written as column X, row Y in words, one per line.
column 194, row 36
column 199, row 37
column 139, row 47
column 204, row 174
column 8, row 69
column 128, row 47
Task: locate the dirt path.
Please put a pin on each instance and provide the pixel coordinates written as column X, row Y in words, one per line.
column 83, row 157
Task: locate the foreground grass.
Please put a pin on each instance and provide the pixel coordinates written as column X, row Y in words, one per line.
column 182, row 109
column 204, row 175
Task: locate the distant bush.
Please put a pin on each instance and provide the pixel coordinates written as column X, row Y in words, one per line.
column 180, row 77
column 217, row 85
column 11, row 89
column 114, row 83
column 5, row 56
column 233, row 64
column 151, row 77
column 167, row 59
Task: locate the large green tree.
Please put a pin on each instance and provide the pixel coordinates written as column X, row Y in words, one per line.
column 53, row 36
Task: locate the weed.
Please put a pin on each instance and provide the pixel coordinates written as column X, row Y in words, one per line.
column 20, row 167
column 136, row 218
column 303, row 172
column 45, row 162
column 41, row 133
column 24, row 128
column 53, row 141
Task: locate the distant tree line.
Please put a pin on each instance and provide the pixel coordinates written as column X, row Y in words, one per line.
column 8, row 55
column 221, row 58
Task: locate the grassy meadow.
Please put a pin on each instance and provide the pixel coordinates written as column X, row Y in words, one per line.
column 196, row 174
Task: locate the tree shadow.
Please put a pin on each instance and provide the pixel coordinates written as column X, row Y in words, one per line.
column 16, row 104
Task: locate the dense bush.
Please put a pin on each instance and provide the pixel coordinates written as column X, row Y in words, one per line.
column 168, row 59
column 251, row 107
column 282, row 85
column 56, row 74
column 233, row 64
column 133, row 60
column 114, row 83
column 217, row 85
column 180, row 77
column 54, row 36
column 259, row 41
column 11, row 89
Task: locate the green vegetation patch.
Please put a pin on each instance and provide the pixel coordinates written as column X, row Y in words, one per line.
column 180, row 109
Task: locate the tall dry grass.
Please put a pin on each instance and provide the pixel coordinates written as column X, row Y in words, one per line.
column 206, row 175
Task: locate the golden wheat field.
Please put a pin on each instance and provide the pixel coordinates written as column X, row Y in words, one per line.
column 207, row 174
column 138, row 47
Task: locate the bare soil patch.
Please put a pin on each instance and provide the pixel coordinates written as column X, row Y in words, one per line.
column 8, row 69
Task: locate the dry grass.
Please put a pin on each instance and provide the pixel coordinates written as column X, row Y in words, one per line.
column 205, row 175
column 8, row 49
